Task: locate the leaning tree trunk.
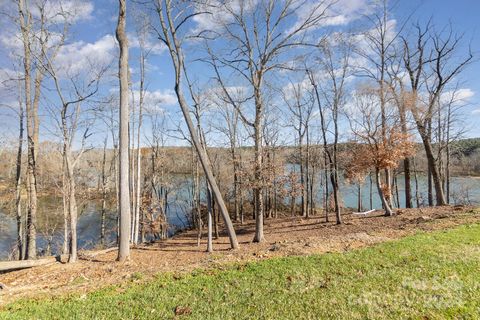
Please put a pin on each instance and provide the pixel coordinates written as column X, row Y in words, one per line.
column 385, row 203
column 177, row 59
column 124, row 229
column 206, row 168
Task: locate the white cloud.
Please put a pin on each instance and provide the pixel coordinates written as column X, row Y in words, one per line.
column 155, row 100
column 71, row 10
column 8, row 88
column 81, row 56
column 457, row 97
column 214, row 13
column 336, row 13
column 151, row 45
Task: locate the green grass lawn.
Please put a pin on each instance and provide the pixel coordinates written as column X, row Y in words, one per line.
column 426, row 276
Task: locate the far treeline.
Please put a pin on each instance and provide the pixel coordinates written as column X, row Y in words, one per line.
column 278, row 102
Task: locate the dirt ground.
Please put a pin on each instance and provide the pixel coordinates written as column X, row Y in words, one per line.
column 284, row 237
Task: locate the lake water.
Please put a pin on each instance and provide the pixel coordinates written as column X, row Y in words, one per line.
column 462, row 189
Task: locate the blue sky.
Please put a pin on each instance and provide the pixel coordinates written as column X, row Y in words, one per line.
column 463, row 14
column 92, row 37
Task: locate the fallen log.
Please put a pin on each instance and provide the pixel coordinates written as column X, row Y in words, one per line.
column 23, row 264
column 87, row 255
column 363, row 213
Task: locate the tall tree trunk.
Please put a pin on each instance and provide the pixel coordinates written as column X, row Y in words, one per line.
column 132, row 180
column 65, row 195
column 72, row 209
column 307, row 175
column 18, row 183
column 32, row 137
column 139, row 167
column 429, row 185
column 326, row 193
column 259, row 236
column 332, row 159
column 124, row 229
column 302, row 177
column 447, row 151
column 104, row 193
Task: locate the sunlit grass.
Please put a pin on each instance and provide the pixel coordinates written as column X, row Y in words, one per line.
column 426, row 276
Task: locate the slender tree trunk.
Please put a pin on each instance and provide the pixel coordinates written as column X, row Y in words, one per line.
column 209, row 220
column 259, row 236
column 326, row 193
column 132, row 180
column 18, row 184
column 397, row 196
column 332, row 159
column 447, row 151
column 139, row 168
column 359, row 199
column 307, row 175
column 104, row 193
column 302, row 176
column 407, row 177
column 196, row 197
column 336, row 196
column 312, row 196
column 235, row 185
column 66, row 216
column 417, row 195
column 124, row 229
column 292, row 205
column 32, row 137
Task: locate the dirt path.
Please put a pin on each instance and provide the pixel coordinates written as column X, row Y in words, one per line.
column 284, row 237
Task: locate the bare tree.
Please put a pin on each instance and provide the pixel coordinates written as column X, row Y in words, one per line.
column 144, row 52
column 230, row 127
column 172, row 16
column 380, row 141
column 261, row 35
column 431, row 61
column 334, row 61
column 379, row 52
column 300, row 105
column 37, row 48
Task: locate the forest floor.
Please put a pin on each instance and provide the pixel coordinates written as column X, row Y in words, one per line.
column 289, row 236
